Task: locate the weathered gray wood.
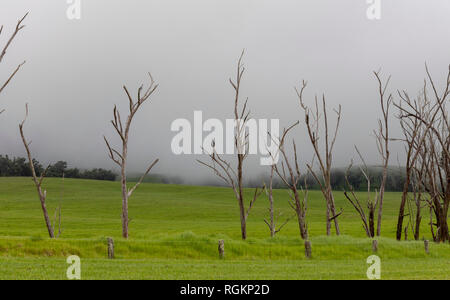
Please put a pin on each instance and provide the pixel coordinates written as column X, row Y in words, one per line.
column 221, row 249
column 308, row 249
column 375, row 246
column 427, row 246
column 110, row 248
column 120, row 158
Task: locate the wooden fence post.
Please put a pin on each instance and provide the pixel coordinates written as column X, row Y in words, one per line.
column 110, row 248
column 427, row 245
column 221, row 249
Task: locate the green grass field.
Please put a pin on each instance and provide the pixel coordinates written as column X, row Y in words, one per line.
column 174, row 233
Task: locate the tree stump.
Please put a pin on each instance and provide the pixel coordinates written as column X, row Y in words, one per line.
column 308, row 249
column 427, row 245
column 221, row 249
column 110, row 248
column 375, row 246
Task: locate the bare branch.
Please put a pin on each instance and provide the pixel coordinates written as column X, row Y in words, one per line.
column 130, row 192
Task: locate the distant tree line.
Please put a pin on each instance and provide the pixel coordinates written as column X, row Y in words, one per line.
column 394, row 183
column 18, row 166
column 155, row 178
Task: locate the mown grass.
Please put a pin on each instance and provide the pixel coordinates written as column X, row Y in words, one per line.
column 185, row 269
column 174, row 233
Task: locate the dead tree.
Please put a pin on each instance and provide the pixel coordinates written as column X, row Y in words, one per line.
column 434, row 184
column 411, row 129
column 37, row 180
column 18, row 28
column 382, row 138
column 291, row 178
column 272, row 222
column 352, row 197
column 431, row 117
column 222, row 168
column 120, row 158
column 312, row 120
column 418, row 190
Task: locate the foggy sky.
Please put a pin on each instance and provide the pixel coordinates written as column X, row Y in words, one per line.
column 76, row 68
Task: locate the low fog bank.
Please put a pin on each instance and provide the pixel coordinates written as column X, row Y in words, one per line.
column 76, row 69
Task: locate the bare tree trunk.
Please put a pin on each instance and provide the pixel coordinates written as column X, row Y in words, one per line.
column 291, row 180
column 243, row 221
column 325, row 159
column 422, row 120
column 401, row 213
column 120, row 159
column 272, row 223
column 308, row 249
column 270, row 194
column 375, row 246
column 418, row 221
column 368, row 225
column 444, row 224
column 48, row 223
column 383, row 142
column 372, row 222
column 328, row 224
column 37, row 181
column 241, row 198
column 333, row 211
column 125, row 219
column 443, row 232
column 221, row 167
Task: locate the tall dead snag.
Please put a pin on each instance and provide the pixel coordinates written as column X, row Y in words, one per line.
column 120, row 158
column 272, row 222
column 37, row 180
column 426, row 123
column 417, row 178
column 382, row 138
column 352, row 197
column 291, row 179
column 18, row 28
column 223, row 168
column 325, row 159
column 412, row 129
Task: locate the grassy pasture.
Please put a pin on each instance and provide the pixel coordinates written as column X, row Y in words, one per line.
column 174, row 233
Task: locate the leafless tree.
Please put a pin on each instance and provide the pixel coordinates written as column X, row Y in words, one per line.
column 382, row 138
column 325, row 159
column 120, row 158
column 18, row 28
column 291, row 178
column 426, row 122
column 417, row 195
column 412, row 139
column 37, row 180
column 223, row 168
column 372, row 203
column 433, row 182
column 273, row 220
